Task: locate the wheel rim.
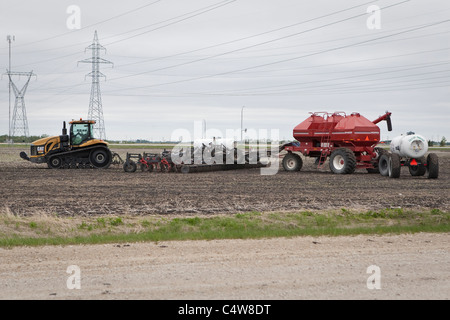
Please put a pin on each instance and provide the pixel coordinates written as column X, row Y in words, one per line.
column 100, row 158
column 290, row 163
column 339, row 162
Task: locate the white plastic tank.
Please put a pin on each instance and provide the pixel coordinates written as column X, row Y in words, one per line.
column 410, row 145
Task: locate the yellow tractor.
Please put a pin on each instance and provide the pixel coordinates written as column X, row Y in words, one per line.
column 79, row 149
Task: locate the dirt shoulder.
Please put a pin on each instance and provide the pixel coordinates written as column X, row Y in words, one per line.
column 412, row 266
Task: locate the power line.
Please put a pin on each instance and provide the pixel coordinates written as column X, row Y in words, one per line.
column 249, row 37
column 197, row 13
column 429, row 85
column 224, row 92
column 265, row 88
column 259, row 44
column 296, row 58
column 284, row 60
column 90, row 26
column 312, row 84
column 191, row 14
column 372, row 89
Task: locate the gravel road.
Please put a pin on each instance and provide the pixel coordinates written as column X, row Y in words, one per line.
column 411, row 266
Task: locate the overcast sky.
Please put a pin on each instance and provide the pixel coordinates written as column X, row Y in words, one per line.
column 178, row 61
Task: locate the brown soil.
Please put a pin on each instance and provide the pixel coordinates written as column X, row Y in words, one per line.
column 28, row 188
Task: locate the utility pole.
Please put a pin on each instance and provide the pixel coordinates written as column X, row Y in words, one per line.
column 242, row 121
column 9, row 38
column 204, row 129
column 95, row 102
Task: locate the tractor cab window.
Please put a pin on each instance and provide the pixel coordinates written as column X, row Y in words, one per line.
column 80, row 132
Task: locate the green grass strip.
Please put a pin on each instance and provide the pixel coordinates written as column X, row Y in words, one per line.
column 251, row 225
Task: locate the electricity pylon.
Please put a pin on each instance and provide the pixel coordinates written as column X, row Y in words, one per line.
column 95, row 103
column 19, row 119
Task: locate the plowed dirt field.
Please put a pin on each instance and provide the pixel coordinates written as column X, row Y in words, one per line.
column 27, row 188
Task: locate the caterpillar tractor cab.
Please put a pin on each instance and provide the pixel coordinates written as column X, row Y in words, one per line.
column 79, row 149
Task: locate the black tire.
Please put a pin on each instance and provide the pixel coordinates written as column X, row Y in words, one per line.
column 394, row 166
column 54, row 162
column 419, row 170
column 100, row 158
column 433, row 166
column 342, row 161
column 292, row 162
column 129, row 166
column 380, row 152
column 383, row 164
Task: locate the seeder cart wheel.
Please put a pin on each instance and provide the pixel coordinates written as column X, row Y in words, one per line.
column 342, row 161
column 383, row 165
column 433, row 166
column 394, row 166
column 292, row 162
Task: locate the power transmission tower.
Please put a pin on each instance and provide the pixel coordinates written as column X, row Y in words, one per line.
column 95, row 103
column 19, row 119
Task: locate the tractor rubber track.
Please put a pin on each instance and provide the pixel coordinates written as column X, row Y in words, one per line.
column 78, row 159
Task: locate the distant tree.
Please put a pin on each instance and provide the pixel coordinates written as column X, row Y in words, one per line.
column 443, row 142
column 430, row 143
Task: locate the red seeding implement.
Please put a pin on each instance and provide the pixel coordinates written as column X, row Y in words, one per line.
column 350, row 142
column 149, row 162
column 163, row 162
